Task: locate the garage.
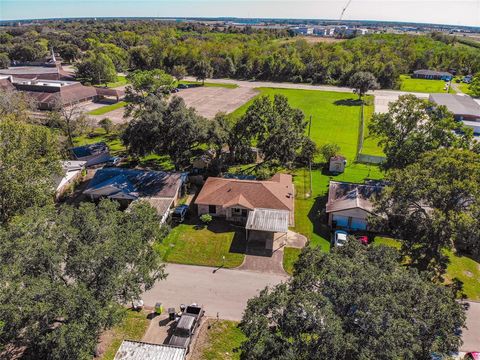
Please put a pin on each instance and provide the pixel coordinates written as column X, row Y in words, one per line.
column 262, row 224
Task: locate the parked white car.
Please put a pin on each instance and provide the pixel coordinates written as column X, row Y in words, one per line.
column 340, row 238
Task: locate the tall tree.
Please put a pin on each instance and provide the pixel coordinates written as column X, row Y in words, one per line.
column 354, row 303
column 475, row 85
column 166, row 129
column 412, row 127
column 276, row 127
column 96, row 68
column 433, row 205
column 203, row 70
column 66, row 271
column 148, row 82
column 363, row 81
column 29, row 166
column 179, row 72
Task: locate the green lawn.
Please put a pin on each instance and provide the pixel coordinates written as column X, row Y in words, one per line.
column 290, row 256
column 460, row 267
column 465, row 88
column 107, row 108
column 207, row 84
column 370, row 142
column 407, row 83
column 223, row 337
column 133, row 327
column 121, row 80
column 198, row 245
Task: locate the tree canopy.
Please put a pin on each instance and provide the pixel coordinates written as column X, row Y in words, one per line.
column 276, row 128
column 412, row 127
column 29, row 166
column 96, row 68
column 166, row 129
column 64, row 274
column 354, row 303
column 363, row 81
column 432, row 205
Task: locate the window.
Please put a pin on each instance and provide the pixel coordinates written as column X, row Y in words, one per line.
column 212, row 209
column 236, row 211
column 244, row 213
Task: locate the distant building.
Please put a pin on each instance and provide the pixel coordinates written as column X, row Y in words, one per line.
column 432, row 75
column 349, row 205
column 303, row 30
column 463, row 107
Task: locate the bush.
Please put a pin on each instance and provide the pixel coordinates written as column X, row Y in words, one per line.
column 329, row 150
column 106, row 125
column 206, row 219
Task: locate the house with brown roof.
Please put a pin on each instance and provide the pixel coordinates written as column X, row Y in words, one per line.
column 349, row 205
column 264, row 207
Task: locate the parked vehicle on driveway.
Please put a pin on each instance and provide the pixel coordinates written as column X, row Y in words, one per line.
column 340, row 238
column 186, row 326
column 179, row 213
column 362, row 239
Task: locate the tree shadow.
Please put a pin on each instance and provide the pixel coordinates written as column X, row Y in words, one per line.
column 348, row 102
column 318, row 217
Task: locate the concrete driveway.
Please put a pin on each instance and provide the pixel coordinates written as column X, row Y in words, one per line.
column 223, row 291
column 471, row 335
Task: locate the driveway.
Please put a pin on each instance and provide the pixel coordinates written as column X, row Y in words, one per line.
column 224, row 292
column 471, row 335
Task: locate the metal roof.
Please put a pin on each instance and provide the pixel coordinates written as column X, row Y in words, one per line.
column 432, row 73
column 135, row 350
column 268, row 220
column 457, row 104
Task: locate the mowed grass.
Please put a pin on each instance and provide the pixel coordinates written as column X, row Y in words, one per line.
column 207, row 84
column 335, row 116
column 290, row 256
column 407, row 83
column 195, row 244
column 222, row 338
column 460, row 267
column 121, row 80
column 108, row 108
column 370, row 142
column 132, row 327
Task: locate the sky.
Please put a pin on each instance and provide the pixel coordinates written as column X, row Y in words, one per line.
column 454, row 12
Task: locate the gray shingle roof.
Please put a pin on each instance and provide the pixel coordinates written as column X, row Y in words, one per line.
column 345, row 196
column 432, row 73
column 457, row 104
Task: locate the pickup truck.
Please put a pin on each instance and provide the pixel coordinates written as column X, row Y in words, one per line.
column 186, row 326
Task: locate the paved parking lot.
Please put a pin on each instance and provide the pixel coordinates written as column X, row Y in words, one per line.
column 208, row 101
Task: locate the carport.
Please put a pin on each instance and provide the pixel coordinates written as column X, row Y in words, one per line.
column 263, row 224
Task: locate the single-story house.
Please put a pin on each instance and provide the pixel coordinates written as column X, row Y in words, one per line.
column 162, row 190
column 432, row 75
column 264, row 207
column 93, row 154
column 463, row 107
column 349, row 205
column 136, row 350
column 72, row 171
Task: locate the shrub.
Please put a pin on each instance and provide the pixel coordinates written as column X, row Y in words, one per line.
column 206, row 218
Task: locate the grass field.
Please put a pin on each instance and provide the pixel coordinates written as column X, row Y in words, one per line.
column 193, row 245
column 121, row 80
column 222, row 338
column 207, row 84
column 132, row 328
column 107, row 108
column 407, row 83
column 290, row 256
column 335, row 118
column 460, row 267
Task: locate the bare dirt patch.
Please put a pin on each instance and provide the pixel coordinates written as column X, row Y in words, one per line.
column 209, row 101
column 318, row 39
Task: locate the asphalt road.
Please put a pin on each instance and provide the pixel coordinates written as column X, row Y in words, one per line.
column 224, row 292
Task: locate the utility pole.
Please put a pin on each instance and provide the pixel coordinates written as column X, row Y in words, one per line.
column 310, row 161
